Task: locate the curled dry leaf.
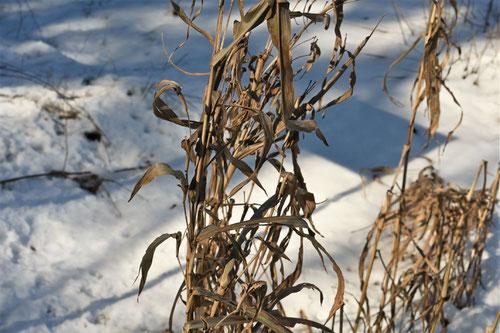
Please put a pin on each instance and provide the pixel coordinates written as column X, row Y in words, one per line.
column 163, row 111
column 147, row 259
column 306, row 126
column 297, row 288
column 158, row 169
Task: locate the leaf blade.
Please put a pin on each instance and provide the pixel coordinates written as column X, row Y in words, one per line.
column 291, row 221
column 147, row 259
column 156, row 170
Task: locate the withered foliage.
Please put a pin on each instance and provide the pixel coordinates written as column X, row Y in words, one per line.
column 434, row 64
column 235, row 277
column 438, row 238
column 436, row 233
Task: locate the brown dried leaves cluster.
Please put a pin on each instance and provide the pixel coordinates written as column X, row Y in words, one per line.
column 438, row 239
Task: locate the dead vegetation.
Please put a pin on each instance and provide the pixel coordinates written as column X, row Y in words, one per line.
column 436, row 233
column 234, row 275
column 436, row 237
column 432, row 71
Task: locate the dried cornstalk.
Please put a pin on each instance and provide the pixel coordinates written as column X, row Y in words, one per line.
column 235, row 277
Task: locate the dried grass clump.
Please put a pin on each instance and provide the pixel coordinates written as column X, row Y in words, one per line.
column 436, row 233
column 235, row 276
column 438, row 236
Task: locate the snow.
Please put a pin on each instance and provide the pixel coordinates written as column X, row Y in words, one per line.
column 69, row 258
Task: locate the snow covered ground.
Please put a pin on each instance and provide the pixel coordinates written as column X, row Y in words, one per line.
column 68, row 257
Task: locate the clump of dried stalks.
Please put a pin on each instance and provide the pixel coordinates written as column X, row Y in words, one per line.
column 438, row 232
column 438, row 237
column 234, row 274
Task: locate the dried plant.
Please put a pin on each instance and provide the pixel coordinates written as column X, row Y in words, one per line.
column 438, row 239
column 438, row 233
column 234, row 275
column 434, row 66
